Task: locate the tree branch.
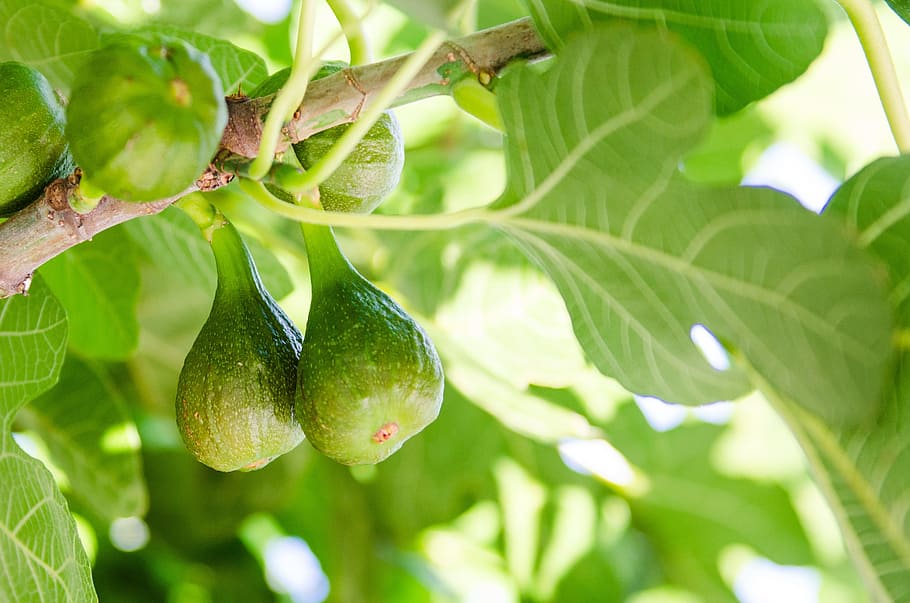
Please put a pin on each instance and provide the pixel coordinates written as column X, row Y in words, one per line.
column 49, row 226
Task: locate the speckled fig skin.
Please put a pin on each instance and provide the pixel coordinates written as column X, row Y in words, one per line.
column 235, row 396
column 33, row 149
column 370, row 377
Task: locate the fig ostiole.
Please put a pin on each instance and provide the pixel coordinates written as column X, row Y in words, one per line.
column 369, row 376
column 236, row 392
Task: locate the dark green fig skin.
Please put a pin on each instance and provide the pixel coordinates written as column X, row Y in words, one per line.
column 146, row 117
column 235, row 395
column 33, row 148
column 369, row 376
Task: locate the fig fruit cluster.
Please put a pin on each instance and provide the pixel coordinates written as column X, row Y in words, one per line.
column 144, row 119
column 366, row 377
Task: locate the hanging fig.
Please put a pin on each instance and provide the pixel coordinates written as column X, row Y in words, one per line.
column 235, row 396
column 370, row 377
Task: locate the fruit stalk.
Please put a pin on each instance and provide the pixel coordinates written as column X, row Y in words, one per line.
column 327, row 260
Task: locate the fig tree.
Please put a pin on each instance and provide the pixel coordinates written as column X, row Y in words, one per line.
column 145, row 117
column 33, row 148
column 235, row 395
column 369, row 376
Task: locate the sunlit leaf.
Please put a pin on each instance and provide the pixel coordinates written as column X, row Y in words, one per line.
column 865, row 470
column 98, row 284
column 48, row 38
column 91, row 437
column 641, row 255
column 41, row 557
column 753, row 48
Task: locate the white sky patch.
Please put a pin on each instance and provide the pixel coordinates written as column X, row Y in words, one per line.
column 597, row 457
column 786, row 168
column 712, row 349
column 129, row 534
column 267, row 11
column 660, row 415
column 717, row 413
column 762, row 581
column 293, row 569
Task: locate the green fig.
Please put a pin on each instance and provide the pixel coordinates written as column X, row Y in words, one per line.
column 33, row 148
column 235, row 396
column 369, row 376
column 369, row 172
column 146, row 117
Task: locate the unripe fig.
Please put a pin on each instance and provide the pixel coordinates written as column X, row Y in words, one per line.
column 146, row 117
column 235, row 396
column 369, row 173
column 370, row 377
column 33, row 148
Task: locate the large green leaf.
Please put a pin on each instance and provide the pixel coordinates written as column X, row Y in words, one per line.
column 98, row 284
column 41, row 557
column 91, row 437
column 865, row 470
column 46, row 37
column 641, row 255
column 753, row 47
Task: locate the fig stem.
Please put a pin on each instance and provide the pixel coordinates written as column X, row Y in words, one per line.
column 205, row 215
column 291, row 94
column 352, row 26
column 868, row 28
column 328, row 265
column 309, row 215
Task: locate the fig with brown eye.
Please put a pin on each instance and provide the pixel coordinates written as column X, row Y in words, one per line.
column 370, row 377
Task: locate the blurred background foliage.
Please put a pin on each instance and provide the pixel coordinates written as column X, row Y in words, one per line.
column 541, row 480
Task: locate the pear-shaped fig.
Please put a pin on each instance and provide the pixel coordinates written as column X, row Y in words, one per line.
column 370, row 377
column 145, row 117
column 33, row 148
column 235, row 396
